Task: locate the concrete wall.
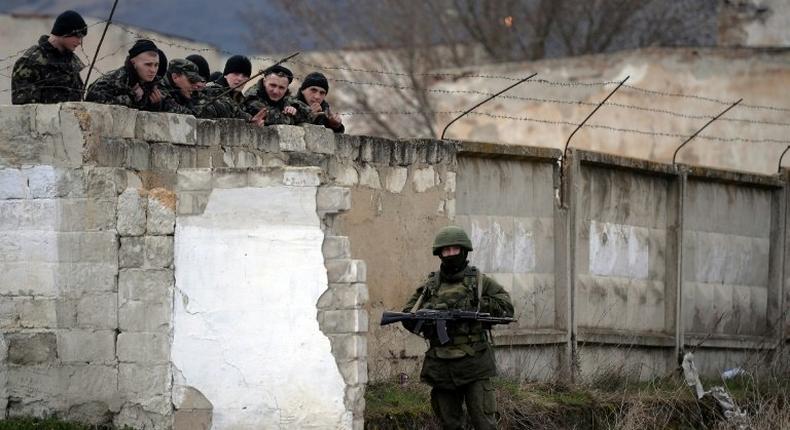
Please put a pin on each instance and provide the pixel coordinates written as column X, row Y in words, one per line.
column 719, row 73
column 636, row 261
column 125, row 302
column 147, row 257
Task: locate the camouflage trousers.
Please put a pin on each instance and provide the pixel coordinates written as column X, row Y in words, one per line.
column 480, row 402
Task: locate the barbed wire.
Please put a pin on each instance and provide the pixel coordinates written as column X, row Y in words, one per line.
column 570, row 124
column 22, row 51
column 543, row 82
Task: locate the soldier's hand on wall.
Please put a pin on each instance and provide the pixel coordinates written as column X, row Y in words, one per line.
column 289, row 110
column 138, row 92
column 334, row 120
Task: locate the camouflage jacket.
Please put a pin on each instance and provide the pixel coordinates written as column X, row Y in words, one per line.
column 174, row 101
column 320, row 118
column 116, row 88
column 256, row 99
column 45, row 75
column 468, row 353
column 212, row 103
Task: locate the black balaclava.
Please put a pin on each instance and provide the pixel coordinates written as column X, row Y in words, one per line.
column 453, row 264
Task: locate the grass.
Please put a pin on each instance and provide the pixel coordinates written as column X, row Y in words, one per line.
column 47, row 424
column 661, row 403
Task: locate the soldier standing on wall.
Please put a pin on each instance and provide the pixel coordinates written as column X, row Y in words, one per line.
column 49, row 72
column 460, row 370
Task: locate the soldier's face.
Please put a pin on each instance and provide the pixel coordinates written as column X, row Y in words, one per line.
column 449, row 251
column 314, row 95
column 235, row 79
column 183, row 84
column 71, row 43
column 275, row 86
column 146, row 65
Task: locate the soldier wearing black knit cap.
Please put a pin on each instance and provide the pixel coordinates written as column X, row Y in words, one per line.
column 136, row 84
column 219, row 102
column 272, row 95
column 202, row 65
column 313, row 93
column 49, row 72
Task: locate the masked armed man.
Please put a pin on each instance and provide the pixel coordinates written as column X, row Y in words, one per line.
column 461, row 370
column 49, row 72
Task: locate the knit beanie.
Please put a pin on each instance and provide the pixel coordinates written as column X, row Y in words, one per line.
column 238, row 64
column 143, row 45
column 69, row 23
column 202, row 65
column 315, row 79
column 279, row 70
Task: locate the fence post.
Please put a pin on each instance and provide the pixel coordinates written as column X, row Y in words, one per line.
column 673, row 305
column 567, row 213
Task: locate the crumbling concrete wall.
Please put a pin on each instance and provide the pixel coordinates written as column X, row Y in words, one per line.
column 95, row 325
column 162, row 271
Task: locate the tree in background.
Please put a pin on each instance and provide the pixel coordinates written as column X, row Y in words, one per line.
column 417, row 39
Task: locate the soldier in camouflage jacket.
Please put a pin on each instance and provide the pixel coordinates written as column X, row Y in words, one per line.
column 460, row 371
column 180, row 85
column 136, row 84
column 271, row 93
column 49, row 72
column 222, row 98
column 313, row 93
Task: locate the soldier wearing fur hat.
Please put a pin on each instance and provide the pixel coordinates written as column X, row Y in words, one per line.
column 460, row 370
column 272, row 95
column 313, row 93
column 49, row 72
column 136, row 84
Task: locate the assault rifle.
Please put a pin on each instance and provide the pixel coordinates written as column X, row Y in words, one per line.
column 440, row 318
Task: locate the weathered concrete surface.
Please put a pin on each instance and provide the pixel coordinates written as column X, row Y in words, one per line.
column 720, row 73
column 620, row 249
column 88, row 252
column 248, row 270
column 726, row 258
column 507, row 208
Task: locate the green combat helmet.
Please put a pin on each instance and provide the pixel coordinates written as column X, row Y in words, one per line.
column 451, row 236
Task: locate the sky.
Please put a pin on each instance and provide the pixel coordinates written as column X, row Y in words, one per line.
column 212, row 21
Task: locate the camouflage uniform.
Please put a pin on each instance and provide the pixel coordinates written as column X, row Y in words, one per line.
column 116, row 88
column 212, row 104
column 461, row 370
column 321, row 119
column 43, row 74
column 256, row 99
column 176, row 101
